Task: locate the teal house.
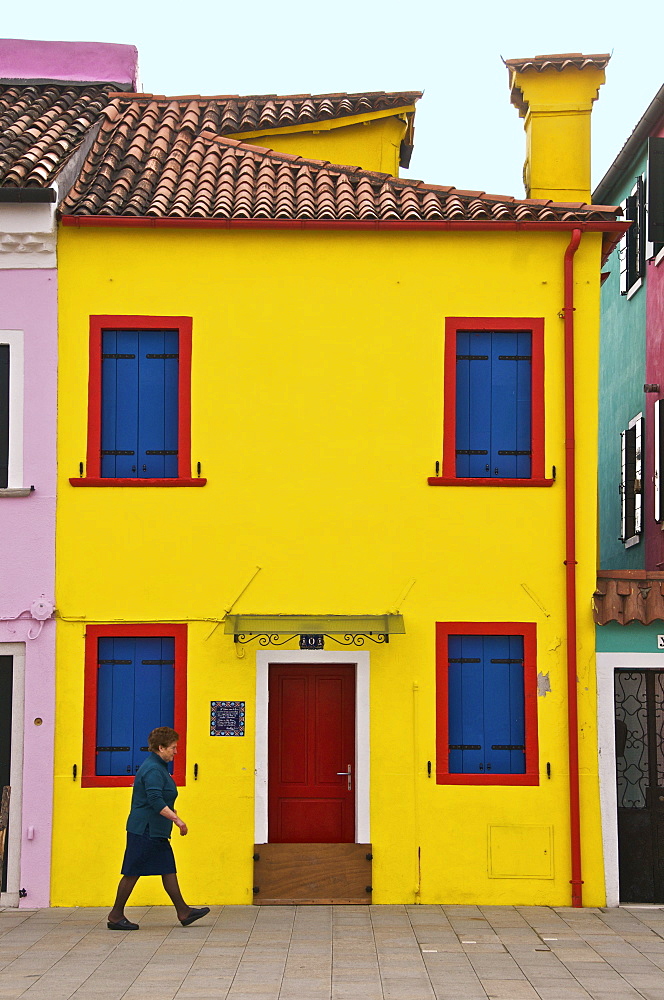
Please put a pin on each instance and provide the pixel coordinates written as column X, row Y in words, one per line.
column 629, row 599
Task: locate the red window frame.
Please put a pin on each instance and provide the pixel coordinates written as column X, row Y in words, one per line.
column 183, row 324
column 529, row 632
column 89, row 779
column 536, row 328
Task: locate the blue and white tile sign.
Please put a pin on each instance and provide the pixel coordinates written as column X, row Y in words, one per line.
column 227, row 718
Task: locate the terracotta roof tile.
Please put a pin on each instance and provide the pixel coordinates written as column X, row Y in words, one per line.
column 41, row 126
column 163, row 157
column 150, row 167
column 559, row 61
column 228, row 114
column 627, row 596
column 540, row 64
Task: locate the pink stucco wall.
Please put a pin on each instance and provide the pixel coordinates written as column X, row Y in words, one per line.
column 28, row 302
column 654, row 374
column 100, row 62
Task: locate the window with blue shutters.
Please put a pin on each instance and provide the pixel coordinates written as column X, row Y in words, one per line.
column 139, row 404
column 493, row 404
column 135, row 694
column 135, row 681
column 486, row 703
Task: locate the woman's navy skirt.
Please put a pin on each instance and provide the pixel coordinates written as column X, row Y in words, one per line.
column 146, row 855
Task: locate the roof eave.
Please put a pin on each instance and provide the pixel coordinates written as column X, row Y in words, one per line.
column 613, row 227
column 644, row 128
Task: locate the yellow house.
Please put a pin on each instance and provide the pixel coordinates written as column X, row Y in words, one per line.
column 324, row 433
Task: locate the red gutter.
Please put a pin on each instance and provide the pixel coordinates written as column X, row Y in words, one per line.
column 414, row 225
column 570, row 572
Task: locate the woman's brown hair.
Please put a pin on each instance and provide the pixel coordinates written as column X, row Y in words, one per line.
column 163, row 736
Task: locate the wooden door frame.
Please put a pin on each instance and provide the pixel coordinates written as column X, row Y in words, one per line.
column 607, row 664
column 361, row 661
column 17, row 651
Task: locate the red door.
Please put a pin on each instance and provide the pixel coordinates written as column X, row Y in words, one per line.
column 311, row 739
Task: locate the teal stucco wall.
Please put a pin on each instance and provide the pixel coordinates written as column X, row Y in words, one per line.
column 621, row 378
column 634, row 638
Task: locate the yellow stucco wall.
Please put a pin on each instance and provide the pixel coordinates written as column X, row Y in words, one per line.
column 372, row 142
column 317, row 387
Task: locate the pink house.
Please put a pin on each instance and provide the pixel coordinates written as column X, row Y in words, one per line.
column 39, row 156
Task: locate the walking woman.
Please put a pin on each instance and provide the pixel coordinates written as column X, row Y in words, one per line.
column 149, row 826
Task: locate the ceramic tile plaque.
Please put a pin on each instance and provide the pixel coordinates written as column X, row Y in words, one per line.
column 227, row 718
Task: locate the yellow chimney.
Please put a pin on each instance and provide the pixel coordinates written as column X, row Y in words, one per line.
column 555, row 94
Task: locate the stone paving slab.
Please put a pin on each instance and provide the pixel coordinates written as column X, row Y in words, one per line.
column 336, row 953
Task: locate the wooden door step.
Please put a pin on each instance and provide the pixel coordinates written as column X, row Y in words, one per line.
column 300, row 874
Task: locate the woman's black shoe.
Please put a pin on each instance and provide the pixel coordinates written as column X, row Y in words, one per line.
column 195, row 914
column 122, row 925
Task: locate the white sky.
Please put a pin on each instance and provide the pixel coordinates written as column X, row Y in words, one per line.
column 467, row 132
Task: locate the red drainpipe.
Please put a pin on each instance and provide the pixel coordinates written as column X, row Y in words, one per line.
column 570, row 573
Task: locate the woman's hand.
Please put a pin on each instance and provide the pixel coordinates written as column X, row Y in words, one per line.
column 174, row 818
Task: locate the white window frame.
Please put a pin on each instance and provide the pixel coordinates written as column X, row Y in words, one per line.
column 636, row 423
column 637, row 231
column 14, row 339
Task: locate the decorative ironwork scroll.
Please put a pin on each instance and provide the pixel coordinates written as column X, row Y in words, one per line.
column 264, row 638
column 277, row 639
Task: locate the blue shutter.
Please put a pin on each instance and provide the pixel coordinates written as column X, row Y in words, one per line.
column 158, row 405
column 510, row 456
column 119, row 404
column 473, row 403
column 135, row 694
column 115, row 705
column 465, row 704
column 493, row 404
column 155, row 671
column 139, row 411
column 486, row 708
column 504, row 708
column 517, row 706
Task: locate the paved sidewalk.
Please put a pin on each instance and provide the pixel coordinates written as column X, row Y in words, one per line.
column 336, row 953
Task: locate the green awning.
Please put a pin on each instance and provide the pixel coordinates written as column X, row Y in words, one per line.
column 387, row 624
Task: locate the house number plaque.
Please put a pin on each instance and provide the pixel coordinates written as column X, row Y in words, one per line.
column 227, row 718
column 311, row 642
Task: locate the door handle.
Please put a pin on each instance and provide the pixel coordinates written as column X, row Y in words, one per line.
column 341, row 774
